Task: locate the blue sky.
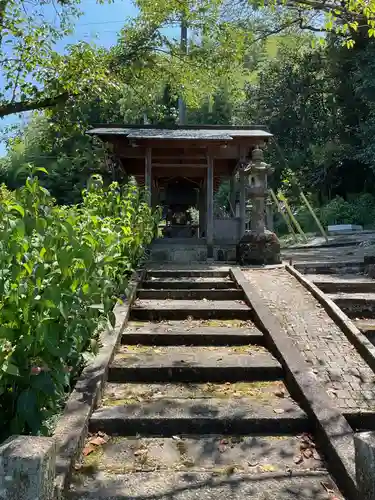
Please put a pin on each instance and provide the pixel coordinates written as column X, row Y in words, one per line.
column 100, row 24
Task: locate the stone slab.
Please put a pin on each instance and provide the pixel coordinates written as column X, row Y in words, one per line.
column 71, row 428
column 27, row 468
column 339, row 284
column 210, row 453
column 365, row 464
column 365, row 325
column 355, row 305
column 168, row 417
column 165, row 335
column 188, row 272
column 306, row 485
column 184, row 294
column 183, row 309
column 280, row 305
column 265, row 393
column 339, row 278
column 188, row 284
column 191, row 365
column 332, row 267
column 344, row 228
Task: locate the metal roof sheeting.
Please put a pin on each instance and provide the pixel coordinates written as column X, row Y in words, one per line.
column 175, row 134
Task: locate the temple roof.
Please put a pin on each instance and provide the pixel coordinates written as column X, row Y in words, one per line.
column 205, row 132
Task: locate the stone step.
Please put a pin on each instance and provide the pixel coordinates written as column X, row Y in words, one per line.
column 187, row 273
column 189, row 364
column 188, row 284
column 355, row 305
column 163, row 334
column 343, row 284
column 209, row 467
column 168, row 417
column 367, row 326
column 268, row 393
column 184, row 294
column 343, row 267
column 194, row 485
column 158, row 310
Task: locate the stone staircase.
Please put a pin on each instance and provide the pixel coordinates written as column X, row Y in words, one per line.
column 196, row 406
column 351, row 290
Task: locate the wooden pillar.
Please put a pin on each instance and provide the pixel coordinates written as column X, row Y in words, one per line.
column 202, row 211
column 242, row 204
column 210, row 206
column 155, row 195
column 232, row 194
column 148, row 175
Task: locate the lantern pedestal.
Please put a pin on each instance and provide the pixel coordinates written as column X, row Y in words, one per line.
column 258, row 249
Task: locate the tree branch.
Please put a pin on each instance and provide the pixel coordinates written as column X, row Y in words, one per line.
column 42, row 103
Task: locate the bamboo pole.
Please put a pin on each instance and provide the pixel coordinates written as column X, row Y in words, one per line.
column 311, row 210
column 286, row 220
column 293, row 219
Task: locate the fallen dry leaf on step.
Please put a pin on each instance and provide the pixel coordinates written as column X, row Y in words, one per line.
column 280, row 393
column 308, row 453
column 298, row 459
column 87, row 450
column 279, row 411
column 97, row 441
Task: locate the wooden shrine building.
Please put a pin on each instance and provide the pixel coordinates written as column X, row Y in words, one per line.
column 182, row 167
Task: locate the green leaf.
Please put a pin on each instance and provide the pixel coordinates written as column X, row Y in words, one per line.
column 112, row 319
column 20, row 228
column 41, row 169
column 44, row 383
column 17, row 208
column 28, row 267
column 64, row 310
column 11, row 369
column 27, row 409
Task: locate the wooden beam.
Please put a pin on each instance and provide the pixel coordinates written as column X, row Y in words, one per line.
column 163, row 153
column 179, row 165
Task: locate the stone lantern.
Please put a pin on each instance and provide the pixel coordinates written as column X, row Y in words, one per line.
column 258, row 246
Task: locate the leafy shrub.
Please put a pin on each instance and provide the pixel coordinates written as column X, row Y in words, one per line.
column 360, row 210
column 61, row 271
column 337, row 211
column 364, row 210
column 5, row 194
